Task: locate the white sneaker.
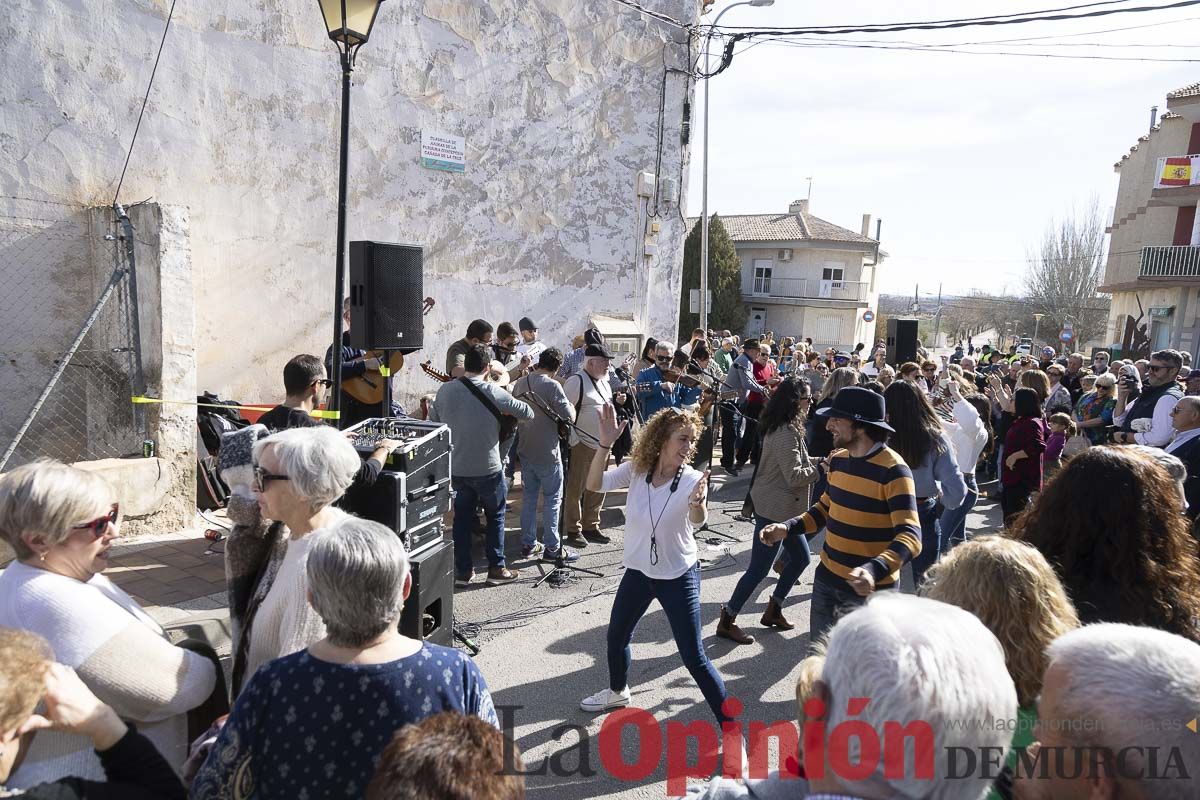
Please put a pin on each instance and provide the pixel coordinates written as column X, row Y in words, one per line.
column 605, row 700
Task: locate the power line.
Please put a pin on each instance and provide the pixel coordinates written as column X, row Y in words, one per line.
column 732, row 41
column 937, row 49
column 990, row 19
column 655, row 14
column 145, row 99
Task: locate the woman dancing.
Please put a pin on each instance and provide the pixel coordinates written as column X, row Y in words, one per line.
column 780, row 492
column 666, row 503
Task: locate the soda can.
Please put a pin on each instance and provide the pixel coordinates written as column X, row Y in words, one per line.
column 148, row 448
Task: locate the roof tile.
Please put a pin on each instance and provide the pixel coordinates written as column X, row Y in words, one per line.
column 785, row 227
column 1187, row 91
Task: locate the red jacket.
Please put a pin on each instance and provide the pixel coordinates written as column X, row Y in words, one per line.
column 1028, row 434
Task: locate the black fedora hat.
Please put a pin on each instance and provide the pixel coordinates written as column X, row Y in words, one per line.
column 858, row 404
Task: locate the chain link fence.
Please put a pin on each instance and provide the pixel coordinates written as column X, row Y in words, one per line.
column 69, row 350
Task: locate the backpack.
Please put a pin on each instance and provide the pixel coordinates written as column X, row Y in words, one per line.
column 216, row 422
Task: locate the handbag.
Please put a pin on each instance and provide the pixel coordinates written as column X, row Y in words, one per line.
column 1076, row 444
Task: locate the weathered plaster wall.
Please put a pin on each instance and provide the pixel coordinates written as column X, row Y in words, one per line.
column 558, row 101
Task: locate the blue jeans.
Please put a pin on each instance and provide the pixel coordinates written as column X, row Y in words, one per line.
column 931, row 539
column 761, row 558
column 954, row 522
column 486, row 490
column 680, row 600
column 831, row 598
column 546, row 479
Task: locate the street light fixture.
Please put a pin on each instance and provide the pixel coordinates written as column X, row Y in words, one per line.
column 349, row 24
column 704, row 168
column 1037, row 321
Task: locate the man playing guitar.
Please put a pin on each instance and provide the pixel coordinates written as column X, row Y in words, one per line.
column 360, row 364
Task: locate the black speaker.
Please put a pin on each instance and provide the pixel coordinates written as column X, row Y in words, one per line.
column 429, row 610
column 386, row 296
column 901, row 340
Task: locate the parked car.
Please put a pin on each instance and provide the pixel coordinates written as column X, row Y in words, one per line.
column 1025, row 346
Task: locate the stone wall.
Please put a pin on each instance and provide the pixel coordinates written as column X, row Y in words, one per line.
column 559, row 103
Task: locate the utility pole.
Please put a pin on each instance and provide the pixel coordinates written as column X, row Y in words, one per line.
column 937, row 330
column 704, row 168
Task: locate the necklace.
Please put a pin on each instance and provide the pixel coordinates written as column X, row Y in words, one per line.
column 650, row 508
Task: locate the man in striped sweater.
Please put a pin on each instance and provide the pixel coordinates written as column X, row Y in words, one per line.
column 869, row 511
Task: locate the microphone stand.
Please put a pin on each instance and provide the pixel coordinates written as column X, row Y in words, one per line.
column 540, row 404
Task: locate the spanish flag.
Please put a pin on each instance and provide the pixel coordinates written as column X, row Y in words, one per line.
column 1176, row 172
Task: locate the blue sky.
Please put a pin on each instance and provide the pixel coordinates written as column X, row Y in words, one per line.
column 965, row 158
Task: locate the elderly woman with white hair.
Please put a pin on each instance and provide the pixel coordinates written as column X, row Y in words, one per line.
column 297, row 476
column 920, row 682
column 62, row 522
column 314, row 723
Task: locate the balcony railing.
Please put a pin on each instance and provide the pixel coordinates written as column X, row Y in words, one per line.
column 805, row 289
column 1170, row 262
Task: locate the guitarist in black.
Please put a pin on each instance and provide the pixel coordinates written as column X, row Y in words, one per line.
column 355, row 362
column 476, row 411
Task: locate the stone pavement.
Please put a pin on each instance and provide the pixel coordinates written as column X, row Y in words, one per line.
column 543, row 647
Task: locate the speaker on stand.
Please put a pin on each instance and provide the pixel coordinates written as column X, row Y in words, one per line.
column 387, row 296
column 901, row 340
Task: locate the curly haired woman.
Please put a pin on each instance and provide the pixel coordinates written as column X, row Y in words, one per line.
column 1013, row 591
column 1115, row 536
column 666, row 503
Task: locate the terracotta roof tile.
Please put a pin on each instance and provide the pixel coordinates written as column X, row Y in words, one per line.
column 785, row 227
column 1186, row 91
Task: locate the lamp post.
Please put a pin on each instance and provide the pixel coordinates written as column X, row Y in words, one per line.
column 704, row 168
column 349, row 24
column 1037, row 321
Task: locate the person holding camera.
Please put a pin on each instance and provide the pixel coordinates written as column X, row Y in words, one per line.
column 1154, row 402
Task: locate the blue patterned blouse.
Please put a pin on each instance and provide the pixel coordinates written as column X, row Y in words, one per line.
column 304, row 728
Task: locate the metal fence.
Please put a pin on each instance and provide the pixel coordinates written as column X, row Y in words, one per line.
column 69, row 345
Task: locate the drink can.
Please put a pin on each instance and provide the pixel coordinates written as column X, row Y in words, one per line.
column 148, row 448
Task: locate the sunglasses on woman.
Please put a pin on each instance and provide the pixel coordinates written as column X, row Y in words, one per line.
column 99, row 525
column 262, row 478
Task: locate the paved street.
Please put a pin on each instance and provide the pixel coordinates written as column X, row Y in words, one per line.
column 543, row 648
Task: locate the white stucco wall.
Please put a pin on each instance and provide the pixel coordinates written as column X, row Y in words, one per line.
column 558, row 101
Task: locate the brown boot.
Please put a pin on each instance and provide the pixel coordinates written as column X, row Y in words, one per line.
column 728, row 629
column 773, row 617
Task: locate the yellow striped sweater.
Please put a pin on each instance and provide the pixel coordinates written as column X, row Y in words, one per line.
column 870, row 513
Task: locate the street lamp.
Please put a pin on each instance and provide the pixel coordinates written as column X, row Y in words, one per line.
column 1037, row 321
column 349, row 24
column 704, row 168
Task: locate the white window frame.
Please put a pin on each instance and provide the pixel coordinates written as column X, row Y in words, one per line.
column 762, row 269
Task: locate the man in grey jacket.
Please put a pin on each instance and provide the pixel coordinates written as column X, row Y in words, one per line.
column 468, row 406
column 741, row 379
column 541, row 462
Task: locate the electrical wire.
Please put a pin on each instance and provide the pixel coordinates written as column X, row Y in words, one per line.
column 1050, row 16
column 936, row 49
column 145, row 99
column 666, row 18
column 1019, row 16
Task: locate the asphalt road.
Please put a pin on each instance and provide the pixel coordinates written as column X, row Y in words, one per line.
column 543, row 650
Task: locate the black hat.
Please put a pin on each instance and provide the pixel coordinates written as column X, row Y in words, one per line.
column 597, row 350
column 858, row 404
column 526, row 324
column 593, row 336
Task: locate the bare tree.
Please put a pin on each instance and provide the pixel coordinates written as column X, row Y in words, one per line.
column 1063, row 274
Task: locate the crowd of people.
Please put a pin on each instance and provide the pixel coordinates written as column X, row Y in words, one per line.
column 1077, row 622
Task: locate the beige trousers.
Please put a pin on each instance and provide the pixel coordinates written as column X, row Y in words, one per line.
column 581, row 508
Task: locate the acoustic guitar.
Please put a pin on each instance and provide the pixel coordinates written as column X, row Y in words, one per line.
column 368, row 388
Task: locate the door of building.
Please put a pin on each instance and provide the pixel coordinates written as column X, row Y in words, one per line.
column 757, row 325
